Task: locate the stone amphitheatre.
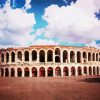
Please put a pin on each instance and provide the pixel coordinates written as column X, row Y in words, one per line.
column 49, row 61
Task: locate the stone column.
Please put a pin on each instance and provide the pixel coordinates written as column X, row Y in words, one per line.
column 75, row 57
column 54, row 72
column 30, row 57
column 38, row 72
column 76, row 73
column 15, row 72
column 16, row 57
column 37, row 57
column 53, row 57
column 4, row 72
column 9, row 72
column 61, row 57
column 23, row 58
column 23, row 73
column 46, row 73
column 30, row 72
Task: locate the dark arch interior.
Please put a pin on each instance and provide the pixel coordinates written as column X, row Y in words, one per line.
column 50, row 71
column 12, row 57
column 65, row 56
column 19, row 55
column 34, row 72
column 26, row 56
column 34, row 55
column 49, row 56
column 72, row 56
column 42, row 56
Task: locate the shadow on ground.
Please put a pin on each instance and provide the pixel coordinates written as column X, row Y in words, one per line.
column 91, row 80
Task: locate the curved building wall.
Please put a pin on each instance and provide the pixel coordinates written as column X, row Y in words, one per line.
column 46, row 61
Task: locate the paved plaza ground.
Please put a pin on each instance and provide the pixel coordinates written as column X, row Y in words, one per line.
column 52, row 88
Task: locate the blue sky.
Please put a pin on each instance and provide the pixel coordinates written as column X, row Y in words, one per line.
column 49, row 22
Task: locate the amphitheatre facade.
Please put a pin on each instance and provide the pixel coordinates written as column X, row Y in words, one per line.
column 49, row 61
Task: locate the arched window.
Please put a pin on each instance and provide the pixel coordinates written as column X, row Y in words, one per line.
column 85, row 70
column 42, row 56
column 34, row 72
column 42, row 72
column 7, row 57
column 12, row 57
column 19, row 72
column 57, row 51
column 65, row 71
column 34, row 55
column 58, row 71
column 26, row 72
column 94, row 70
column 89, row 56
column 73, row 71
column 2, row 72
column 26, row 55
column 57, row 55
column 65, row 56
column 6, row 72
column 93, row 57
column 2, row 57
column 50, row 71
column 79, row 70
column 90, row 70
column 12, row 72
column 84, row 57
column 78, row 57
column 97, row 57
column 72, row 56
column 49, row 55
column 19, row 54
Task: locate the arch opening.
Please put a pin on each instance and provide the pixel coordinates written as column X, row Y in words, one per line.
column 72, row 56
column 19, row 72
column 58, row 71
column 78, row 57
column 26, row 72
column 26, row 55
column 79, row 70
column 34, row 55
column 65, row 71
column 90, row 70
column 42, row 72
column 57, row 55
column 12, row 57
column 73, row 71
column 34, row 72
column 50, row 56
column 50, row 71
column 7, row 57
column 42, row 56
column 85, row 70
column 2, row 72
column 6, row 72
column 12, row 72
column 84, row 57
column 65, row 56
column 19, row 55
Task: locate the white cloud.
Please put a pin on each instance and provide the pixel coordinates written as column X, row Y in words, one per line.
column 16, row 26
column 45, row 42
column 93, row 44
column 76, row 23
column 27, row 4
